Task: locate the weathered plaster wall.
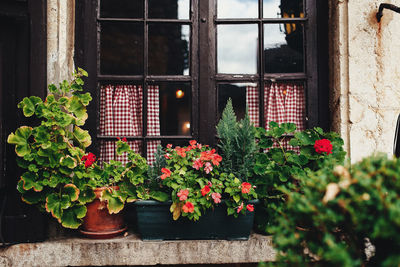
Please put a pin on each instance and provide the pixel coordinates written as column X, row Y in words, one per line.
column 365, row 75
column 60, row 39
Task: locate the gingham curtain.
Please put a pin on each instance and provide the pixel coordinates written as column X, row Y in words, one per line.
column 283, row 102
column 121, row 108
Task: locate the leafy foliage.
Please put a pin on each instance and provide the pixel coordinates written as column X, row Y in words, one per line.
column 277, row 166
column 237, row 143
column 337, row 211
column 59, row 177
column 194, row 183
column 51, row 151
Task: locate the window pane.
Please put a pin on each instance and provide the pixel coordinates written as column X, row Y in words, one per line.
column 244, row 96
column 121, row 9
column 169, row 9
column 237, row 9
column 283, row 48
column 121, row 48
column 237, row 49
column 283, row 9
column 285, row 102
column 169, row 49
column 174, row 108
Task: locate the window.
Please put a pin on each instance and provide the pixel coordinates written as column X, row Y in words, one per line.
column 172, row 64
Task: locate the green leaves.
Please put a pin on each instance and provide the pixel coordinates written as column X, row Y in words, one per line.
column 72, row 217
column 82, row 137
column 115, row 200
column 28, row 105
column 20, row 140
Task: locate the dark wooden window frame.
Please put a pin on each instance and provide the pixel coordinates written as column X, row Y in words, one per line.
column 203, row 75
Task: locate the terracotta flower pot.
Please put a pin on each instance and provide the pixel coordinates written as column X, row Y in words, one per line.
column 98, row 222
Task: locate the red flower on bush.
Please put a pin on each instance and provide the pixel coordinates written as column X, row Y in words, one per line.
column 181, row 151
column 166, row 173
column 169, row 145
column 216, row 197
column 89, row 159
column 188, row 207
column 123, row 139
column 246, row 187
column 183, row 194
column 323, row 145
column 250, row 207
column 205, row 190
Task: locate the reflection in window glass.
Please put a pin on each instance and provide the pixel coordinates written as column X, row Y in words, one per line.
column 169, row 9
column 121, row 48
column 244, row 96
column 169, row 49
column 283, row 48
column 283, row 9
column 175, row 108
column 237, row 9
column 121, row 8
column 237, row 49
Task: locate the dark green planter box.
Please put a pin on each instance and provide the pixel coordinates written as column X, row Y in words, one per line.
column 154, row 222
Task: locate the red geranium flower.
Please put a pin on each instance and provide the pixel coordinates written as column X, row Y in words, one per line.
column 183, row 194
column 89, row 159
column 166, row 173
column 188, row 207
column 246, row 188
column 181, row 151
column 216, row 159
column 250, row 207
column 192, row 142
column 323, row 145
column 124, row 139
column 169, row 145
column 205, row 190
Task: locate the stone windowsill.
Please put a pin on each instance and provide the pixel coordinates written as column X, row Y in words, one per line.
column 131, row 250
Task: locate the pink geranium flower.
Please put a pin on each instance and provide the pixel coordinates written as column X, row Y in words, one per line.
column 216, row 197
column 208, row 168
column 183, row 194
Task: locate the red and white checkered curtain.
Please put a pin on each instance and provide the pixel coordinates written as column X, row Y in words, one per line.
column 121, row 108
column 253, row 104
column 120, row 115
column 153, row 120
column 284, row 102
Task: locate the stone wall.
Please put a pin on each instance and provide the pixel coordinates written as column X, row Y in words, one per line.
column 365, row 80
column 60, row 39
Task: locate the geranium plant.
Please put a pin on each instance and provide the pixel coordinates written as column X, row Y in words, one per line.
column 51, row 152
column 192, row 176
column 121, row 182
column 60, row 176
column 278, row 166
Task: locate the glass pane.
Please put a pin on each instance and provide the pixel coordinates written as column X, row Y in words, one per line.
column 169, row 9
column 169, row 49
column 237, row 9
column 237, row 49
column 285, row 102
column 244, row 96
column 173, row 112
column 121, row 48
column 283, row 9
column 283, row 48
column 121, row 8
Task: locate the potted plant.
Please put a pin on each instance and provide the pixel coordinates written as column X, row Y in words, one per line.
column 205, row 204
column 60, row 178
column 285, row 157
column 114, row 184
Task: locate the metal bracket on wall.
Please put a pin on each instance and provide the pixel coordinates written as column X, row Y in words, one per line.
column 387, row 6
